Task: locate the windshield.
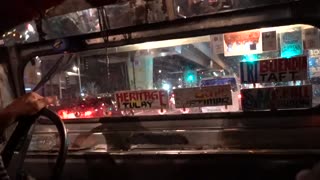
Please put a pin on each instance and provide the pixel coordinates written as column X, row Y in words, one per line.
column 256, row 70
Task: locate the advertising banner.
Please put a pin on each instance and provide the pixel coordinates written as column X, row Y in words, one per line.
column 217, row 43
column 257, row 99
column 203, row 96
column 294, row 97
column 274, row 70
column 143, row 99
column 242, row 43
column 291, row 42
column 311, row 38
column 285, row 97
column 269, row 41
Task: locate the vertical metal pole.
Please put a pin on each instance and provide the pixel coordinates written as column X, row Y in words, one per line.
column 170, row 9
column 79, row 75
column 14, row 76
column 131, row 56
column 60, row 88
column 51, row 88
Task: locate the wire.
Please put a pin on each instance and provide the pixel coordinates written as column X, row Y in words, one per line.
column 50, row 73
column 104, row 27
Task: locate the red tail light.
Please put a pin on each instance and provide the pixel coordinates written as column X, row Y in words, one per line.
column 88, row 114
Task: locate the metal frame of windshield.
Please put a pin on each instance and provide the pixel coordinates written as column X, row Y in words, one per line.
column 287, row 14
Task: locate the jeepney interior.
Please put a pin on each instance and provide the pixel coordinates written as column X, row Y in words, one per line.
column 86, row 57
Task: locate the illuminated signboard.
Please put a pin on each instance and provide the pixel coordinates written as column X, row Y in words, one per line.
column 285, row 97
column 274, row 70
column 203, row 96
column 144, row 99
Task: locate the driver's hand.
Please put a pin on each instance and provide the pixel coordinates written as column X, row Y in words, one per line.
column 29, row 104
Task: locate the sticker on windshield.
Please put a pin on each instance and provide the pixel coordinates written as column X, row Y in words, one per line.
column 285, row 97
column 274, row 70
column 203, row 96
column 142, row 99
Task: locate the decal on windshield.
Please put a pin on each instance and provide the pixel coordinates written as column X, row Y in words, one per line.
column 274, row 70
column 203, row 96
column 143, row 99
column 285, row 97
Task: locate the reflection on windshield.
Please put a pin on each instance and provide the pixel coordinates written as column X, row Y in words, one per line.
column 193, row 75
column 24, row 33
column 80, row 22
column 121, row 14
column 187, row 8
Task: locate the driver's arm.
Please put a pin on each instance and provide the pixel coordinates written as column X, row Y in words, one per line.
column 26, row 105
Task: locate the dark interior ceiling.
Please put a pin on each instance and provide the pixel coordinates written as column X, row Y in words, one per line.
column 15, row 12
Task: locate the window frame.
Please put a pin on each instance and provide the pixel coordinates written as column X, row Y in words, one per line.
column 245, row 19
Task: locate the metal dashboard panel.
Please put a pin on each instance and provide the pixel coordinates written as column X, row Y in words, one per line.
column 257, row 134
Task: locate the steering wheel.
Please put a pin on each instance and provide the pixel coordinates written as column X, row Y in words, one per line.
column 22, row 135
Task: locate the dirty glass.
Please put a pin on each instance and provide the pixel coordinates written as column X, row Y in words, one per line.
column 95, row 83
column 132, row 13
column 76, row 23
column 21, row 34
column 123, row 13
column 189, row 8
column 81, row 22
